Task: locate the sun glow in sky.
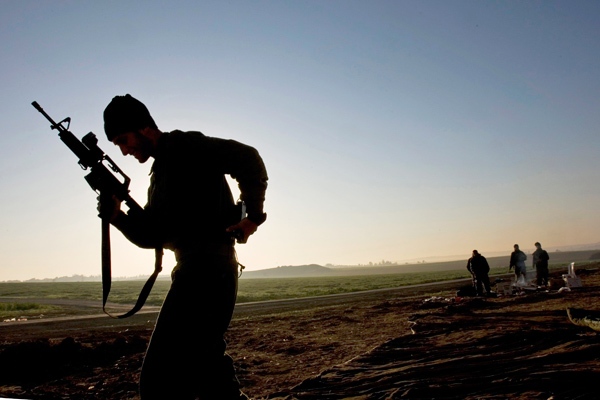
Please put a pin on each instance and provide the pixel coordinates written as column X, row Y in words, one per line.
column 391, row 130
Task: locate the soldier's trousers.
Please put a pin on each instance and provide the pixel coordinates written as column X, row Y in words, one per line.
column 186, row 356
column 481, row 282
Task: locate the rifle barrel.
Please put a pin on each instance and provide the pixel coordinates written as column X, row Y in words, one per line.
column 86, row 157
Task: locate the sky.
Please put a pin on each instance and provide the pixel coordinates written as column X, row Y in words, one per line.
column 391, row 130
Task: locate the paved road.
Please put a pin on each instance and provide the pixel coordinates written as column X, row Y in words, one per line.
column 68, row 326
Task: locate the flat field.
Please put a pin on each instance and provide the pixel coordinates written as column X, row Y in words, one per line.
column 65, row 294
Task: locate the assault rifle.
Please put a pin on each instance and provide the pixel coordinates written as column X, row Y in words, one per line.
column 106, row 184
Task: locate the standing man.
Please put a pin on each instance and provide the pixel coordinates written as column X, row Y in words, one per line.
column 191, row 211
column 517, row 260
column 540, row 263
column 479, row 269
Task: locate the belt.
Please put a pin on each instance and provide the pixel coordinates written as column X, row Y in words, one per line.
column 204, row 249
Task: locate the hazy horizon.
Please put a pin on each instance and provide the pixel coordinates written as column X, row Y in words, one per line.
column 389, row 129
column 435, row 259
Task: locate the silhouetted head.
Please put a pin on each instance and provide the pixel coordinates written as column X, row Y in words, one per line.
column 516, row 246
column 537, row 244
column 475, row 253
column 126, row 114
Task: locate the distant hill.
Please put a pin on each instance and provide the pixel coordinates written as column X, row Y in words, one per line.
column 289, row 271
column 557, row 258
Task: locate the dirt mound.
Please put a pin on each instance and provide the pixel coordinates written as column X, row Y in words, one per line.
column 470, row 355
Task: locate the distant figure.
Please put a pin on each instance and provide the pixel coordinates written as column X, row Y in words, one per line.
column 479, row 269
column 540, row 263
column 517, row 261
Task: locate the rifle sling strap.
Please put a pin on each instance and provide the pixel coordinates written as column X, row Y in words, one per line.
column 107, row 278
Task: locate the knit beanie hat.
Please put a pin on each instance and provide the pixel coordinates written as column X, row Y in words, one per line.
column 126, row 114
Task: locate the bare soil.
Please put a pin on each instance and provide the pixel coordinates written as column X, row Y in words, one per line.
column 411, row 343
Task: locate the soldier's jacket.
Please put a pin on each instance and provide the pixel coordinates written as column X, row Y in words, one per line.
column 478, row 265
column 189, row 200
column 540, row 258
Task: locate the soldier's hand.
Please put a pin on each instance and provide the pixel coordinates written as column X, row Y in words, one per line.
column 242, row 230
column 108, row 207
